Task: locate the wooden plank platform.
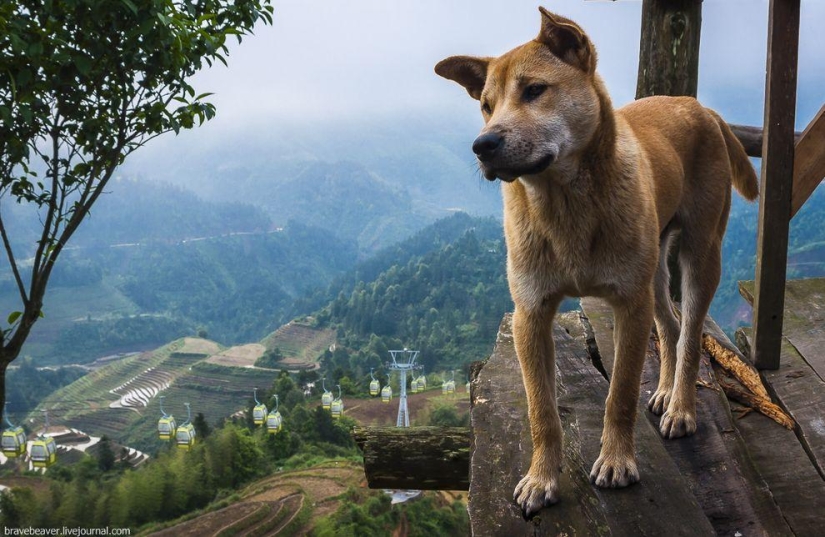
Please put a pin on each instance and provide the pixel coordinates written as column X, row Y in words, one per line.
column 746, row 476
column 804, row 324
column 783, row 457
column 715, row 460
column 661, row 504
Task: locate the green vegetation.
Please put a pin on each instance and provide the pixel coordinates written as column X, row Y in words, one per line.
column 28, row 385
column 82, row 86
column 366, row 513
column 178, row 482
column 446, row 303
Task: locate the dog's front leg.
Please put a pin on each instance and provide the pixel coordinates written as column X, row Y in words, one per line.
column 616, row 465
column 533, row 337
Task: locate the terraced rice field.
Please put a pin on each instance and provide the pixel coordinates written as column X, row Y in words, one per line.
column 102, row 403
column 137, row 391
column 196, row 345
column 283, row 505
column 300, row 344
column 239, row 356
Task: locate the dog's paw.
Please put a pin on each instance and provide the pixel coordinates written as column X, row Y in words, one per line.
column 533, row 492
column 658, row 402
column 612, row 471
column 676, row 424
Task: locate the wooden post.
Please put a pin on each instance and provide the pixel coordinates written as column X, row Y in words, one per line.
column 776, row 183
column 669, row 65
column 669, row 48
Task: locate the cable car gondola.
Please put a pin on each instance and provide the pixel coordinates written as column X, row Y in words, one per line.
column 14, row 438
column 259, row 412
column 386, row 392
column 375, row 385
column 274, row 421
column 448, row 387
column 185, row 435
column 326, row 397
column 337, row 406
column 166, row 424
column 43, row 451
column 414, row 385
column 422, row 382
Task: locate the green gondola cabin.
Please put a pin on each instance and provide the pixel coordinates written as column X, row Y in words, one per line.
column 43, row 452
column 166, row 428
column 185, row 436
column 14, row 442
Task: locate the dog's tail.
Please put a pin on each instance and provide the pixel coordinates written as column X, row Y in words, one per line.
column 744, row 176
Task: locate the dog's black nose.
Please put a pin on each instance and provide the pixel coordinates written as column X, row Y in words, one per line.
column 486, row 145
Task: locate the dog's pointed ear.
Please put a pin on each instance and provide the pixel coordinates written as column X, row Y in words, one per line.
column 567, row 40
column 469, row 71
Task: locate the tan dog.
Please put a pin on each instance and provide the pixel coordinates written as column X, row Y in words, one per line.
column 592, row 198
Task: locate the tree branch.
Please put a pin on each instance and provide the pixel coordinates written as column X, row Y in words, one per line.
column 39, row 256
column 10, row 255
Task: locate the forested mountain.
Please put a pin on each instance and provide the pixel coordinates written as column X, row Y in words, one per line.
column 156, row 262
column 442, row 292
column 376, row 182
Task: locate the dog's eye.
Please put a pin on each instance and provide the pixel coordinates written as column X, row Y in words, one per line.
column 533, row 91
column 486, row 108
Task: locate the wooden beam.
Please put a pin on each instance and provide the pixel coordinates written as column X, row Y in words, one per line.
column 809, row 161
column 776, row 182
column 420, row 458
column 751, row 138
column 669, row 48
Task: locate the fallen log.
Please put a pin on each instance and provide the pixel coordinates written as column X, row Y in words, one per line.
column 419, row 458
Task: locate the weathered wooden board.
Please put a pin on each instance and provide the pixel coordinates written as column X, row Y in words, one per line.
column 801, row 392
column 778, row 453
column 660, row 504
column 809, row 161
column 804, row 317
column 715, row 460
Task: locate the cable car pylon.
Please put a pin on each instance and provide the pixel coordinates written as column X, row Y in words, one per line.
column 403, row 361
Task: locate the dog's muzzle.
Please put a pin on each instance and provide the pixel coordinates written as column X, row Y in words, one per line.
column 487, row 145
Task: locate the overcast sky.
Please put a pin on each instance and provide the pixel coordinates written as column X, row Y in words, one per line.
column 349, row 59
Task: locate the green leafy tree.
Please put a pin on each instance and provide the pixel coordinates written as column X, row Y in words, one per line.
column 105, row 455
column 202, row 428
column 83, row 84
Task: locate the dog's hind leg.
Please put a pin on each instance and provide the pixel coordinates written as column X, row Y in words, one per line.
column 533, row 337
column 667, row 327
column 616, row 465
column 700, row 261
